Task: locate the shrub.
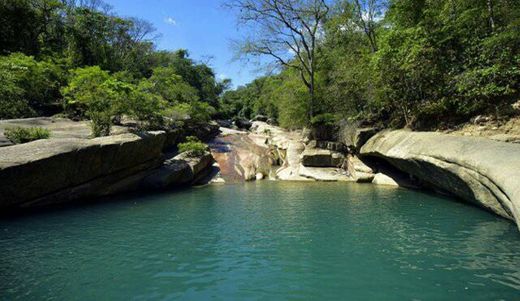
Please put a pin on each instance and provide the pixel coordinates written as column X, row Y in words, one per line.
column 20, row 135
column 193, row 147
column 84, row 90
column 326, row 119
column 101, row 123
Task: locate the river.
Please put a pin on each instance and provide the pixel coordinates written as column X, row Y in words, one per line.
column 263, row 241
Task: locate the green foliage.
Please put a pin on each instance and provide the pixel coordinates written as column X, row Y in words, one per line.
column 27, row 86
column 86, row 90
column 283, row 98
column 100, row 123
column 193, row 147
column 172, row 87
column 327, row 119
column 20, row 135
column 426, row 64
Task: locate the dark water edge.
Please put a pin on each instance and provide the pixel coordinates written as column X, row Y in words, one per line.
column 262, row 241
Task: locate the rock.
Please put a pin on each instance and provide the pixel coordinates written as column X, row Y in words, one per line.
column 359, row 166
column 359, row 138
column 173, row 172
column 243, row 124
column 204, row 131
column 225, row 123
column 478, row 170
column 59, row 127
column 506, row 138
column 218, row 181
column 382, row 179
column 481, row 119
column 179, row 170
column 37, row 172
column 363, row 177
column 325, row 174
column 516, row 106
column 271, row 121
column 314, row 157
column 291, row 161
column 329, row 145
column 259, row 176
column 260, row 118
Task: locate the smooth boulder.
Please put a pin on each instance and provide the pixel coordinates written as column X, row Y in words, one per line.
column 478, row 170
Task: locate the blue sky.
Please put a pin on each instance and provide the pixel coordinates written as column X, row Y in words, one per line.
column 201, row 26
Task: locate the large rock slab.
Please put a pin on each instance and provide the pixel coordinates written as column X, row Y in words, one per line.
column 43, row 168
column 478, row 170
column 179, row 170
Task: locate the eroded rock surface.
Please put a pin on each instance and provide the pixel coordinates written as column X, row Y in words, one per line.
column 478, row 170
column 70, row 167
column 43, row 168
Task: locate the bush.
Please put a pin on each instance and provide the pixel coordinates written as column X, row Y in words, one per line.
column 193, row 147
column 20, row 135
column 326, row 119
column 101, row 123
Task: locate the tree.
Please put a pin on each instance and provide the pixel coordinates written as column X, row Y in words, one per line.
column 367, row 14
column 289, row 32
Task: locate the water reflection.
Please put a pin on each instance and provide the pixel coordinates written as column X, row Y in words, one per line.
column 264, row 241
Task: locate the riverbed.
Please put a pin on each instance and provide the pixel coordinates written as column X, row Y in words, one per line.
column 263, row 241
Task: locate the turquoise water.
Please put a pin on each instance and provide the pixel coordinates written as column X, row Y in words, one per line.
column 263, row 241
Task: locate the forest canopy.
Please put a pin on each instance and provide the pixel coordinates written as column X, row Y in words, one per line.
column 80, row 59
column 414, row 63
column 396, row 63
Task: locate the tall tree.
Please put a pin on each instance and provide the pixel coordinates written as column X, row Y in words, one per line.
column 288, row 31
column 367, row 14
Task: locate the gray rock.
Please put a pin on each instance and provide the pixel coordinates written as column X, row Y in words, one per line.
column 364, row 177
column 382, row 179
column 46, row 168
column 315, row 157
column 325, row 174
column 478, row 170
column 360, row 137
column 177, row 171
column 329, row 145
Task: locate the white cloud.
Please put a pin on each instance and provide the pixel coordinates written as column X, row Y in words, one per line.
column 170, row 20
column 222, row 76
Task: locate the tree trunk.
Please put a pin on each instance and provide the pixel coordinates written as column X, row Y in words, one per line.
column 491, row 15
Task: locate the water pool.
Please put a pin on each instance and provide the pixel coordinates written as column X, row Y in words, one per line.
column 263, row 241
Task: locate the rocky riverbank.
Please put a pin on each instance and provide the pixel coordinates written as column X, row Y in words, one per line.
column 67, row 168
column 480, row 171
column 269, row 152
column 70, row 169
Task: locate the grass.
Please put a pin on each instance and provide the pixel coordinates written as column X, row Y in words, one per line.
column 19, row 135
